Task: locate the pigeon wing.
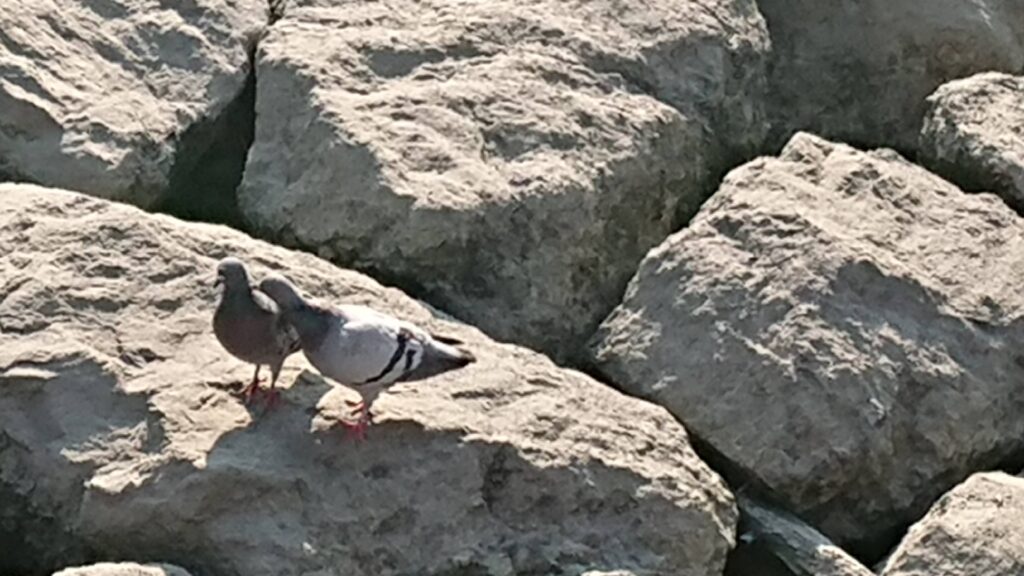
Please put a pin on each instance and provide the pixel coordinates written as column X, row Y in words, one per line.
column 364, row 347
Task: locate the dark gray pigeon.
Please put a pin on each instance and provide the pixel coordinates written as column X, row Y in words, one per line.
column 250, row 326
column 362, row 348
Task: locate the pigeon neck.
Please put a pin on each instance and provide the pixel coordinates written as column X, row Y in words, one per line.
column 235, row 295
column 310, row 322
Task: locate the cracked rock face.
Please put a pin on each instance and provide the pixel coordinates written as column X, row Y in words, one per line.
column 974, row 134
column 119, row 424
column 510, row 161
column 844, row 326
column 115, row 97
column 973, row 529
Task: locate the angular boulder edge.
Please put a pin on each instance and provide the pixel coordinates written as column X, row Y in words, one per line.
column 974, row 528
column 973, row 134
column 843, row 327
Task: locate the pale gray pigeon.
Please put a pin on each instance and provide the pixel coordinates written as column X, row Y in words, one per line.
column 250, row 326
column 362, row 348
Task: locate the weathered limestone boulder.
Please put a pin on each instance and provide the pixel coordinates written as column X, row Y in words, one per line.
column 973, row 134
column 116, row 98
column 123, row 569
column 509, row 161
column 860, row 71
column 844, row 327
column 118, row 421
column 974, row 529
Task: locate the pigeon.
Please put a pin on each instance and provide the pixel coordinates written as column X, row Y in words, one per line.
column 250, row 326
column 362, row 348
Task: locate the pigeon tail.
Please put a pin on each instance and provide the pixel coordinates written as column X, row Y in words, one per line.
column 447, row 340
column 439, row 357
column 457, row 355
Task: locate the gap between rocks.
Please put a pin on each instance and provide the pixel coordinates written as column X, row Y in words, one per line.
column 204, row 180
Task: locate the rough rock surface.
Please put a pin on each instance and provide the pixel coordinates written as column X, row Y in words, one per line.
column 123, row 569
column 973, row 134
column 117, row 97
column 974, row 529
column 859, row 72
column 843, row 326
column 118, row 422
column 509, row 161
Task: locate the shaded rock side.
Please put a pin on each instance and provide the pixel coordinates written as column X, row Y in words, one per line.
column 117, row 97
column 120, row 421
column 973, row 529
column 973, row 134
column 859, row 72
column 843, row 327
column 801, row 548
column 510, row 162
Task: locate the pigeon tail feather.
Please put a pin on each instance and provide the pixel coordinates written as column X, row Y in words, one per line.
column 439, row 357
column 447, row 340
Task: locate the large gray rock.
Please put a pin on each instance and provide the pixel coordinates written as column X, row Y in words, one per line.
column 842, row 326
column 973, row 134
column 123, row 569
column 118, row 421
column 510, row 161
column 860, row 71
column 974, row 529
column 116, row 97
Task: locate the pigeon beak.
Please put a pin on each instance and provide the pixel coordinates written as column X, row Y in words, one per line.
column 218, row 281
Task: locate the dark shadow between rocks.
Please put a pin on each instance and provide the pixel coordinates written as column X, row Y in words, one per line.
column 204, row 179
column 754, row 559
column 971, row 175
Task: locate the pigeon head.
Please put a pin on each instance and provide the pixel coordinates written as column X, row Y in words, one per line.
column 282, row 292
column 232, row 273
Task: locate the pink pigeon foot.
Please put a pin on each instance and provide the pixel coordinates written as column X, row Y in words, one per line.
column 358, row 429
column 251, row 390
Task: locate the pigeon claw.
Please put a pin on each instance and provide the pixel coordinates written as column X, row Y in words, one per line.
column 251, row 390
column 358, row 428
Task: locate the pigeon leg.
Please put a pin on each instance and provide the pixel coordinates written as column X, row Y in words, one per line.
column 253, row 386
column 273, row 395
column 358, row 428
